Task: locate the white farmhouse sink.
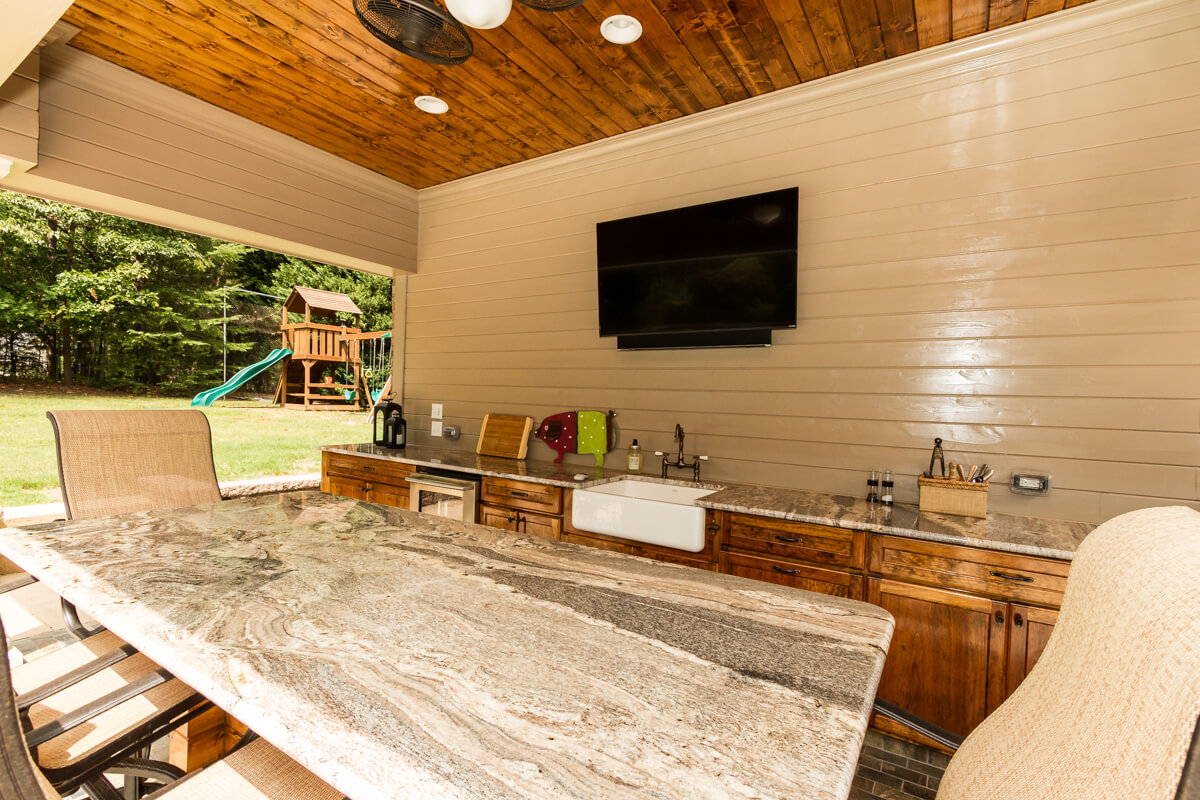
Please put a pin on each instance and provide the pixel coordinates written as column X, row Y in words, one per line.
column 641, row 511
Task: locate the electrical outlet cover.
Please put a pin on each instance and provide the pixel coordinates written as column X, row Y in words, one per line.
column 436, row 429
column 437, row 411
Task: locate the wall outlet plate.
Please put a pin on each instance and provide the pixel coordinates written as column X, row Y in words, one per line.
column 436, row 413
column 1029, row 483
column 435, row 430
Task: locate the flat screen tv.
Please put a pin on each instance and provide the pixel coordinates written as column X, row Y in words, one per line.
column 720, row 274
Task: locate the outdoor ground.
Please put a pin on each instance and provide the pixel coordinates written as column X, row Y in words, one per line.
column 251, row 438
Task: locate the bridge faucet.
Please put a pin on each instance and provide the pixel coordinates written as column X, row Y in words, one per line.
column 678, row 461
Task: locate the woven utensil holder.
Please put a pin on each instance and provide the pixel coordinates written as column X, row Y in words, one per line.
column 949, row 496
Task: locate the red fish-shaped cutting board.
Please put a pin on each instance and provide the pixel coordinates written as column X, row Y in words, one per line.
column 589, row 432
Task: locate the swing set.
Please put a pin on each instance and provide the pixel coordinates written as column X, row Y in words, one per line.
column 320, row 350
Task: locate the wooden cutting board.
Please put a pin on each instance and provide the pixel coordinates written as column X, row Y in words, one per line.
column 505, row 436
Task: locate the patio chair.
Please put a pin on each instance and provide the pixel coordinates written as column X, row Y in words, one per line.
column 115, row 462
column 256, row 771
column 95, row 706
column 1110, row 710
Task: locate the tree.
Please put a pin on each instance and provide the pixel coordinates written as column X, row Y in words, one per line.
column 130, row 305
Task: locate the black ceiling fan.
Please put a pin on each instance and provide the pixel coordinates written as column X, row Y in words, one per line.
column 417, row 28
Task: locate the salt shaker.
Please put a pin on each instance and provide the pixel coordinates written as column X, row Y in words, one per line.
column 873, row 487
column 886, row 491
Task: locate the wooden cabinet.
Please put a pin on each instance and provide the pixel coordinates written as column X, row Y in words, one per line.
column 534, row 509
column 1029, row 631
column 818, row 558
column 508, row 493
column 361, row 478
column 946, row 661
column 799, row 576
column 519, row 521
column 967, row 632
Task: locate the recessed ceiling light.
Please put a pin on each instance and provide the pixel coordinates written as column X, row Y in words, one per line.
column 432, row 105
column 621, row 29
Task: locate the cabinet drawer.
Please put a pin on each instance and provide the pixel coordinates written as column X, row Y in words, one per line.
column 816, row 544
column 1006, row 576
column 799, row 576
column 522, row 494
column 373, row 469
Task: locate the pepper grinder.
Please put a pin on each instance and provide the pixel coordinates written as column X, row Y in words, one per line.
column 873, row 487
column 886, row 491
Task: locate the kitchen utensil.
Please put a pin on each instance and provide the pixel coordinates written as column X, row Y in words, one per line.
column 560, row 432
column 590, row 432
column 505, row 436
column 985, row 475
column 936, row 456
column 958, row 472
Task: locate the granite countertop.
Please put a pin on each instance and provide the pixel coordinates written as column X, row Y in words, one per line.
column 465, row 461
column 395, row 653
column 1005, row 532
column 1010, row 533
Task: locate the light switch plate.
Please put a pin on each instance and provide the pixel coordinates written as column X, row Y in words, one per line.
column 435, row 429
column 437, row 411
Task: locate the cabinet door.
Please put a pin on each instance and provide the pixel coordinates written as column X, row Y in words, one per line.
column 503, row 518
column 799, row 576
column 1029, row 632
column 540, row 525
column 388, row 495
column 346, row 487
column 946, row 661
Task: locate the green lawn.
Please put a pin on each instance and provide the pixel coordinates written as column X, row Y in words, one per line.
column 250, row 439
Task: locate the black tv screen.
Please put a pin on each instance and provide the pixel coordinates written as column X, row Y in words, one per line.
column 723, row 266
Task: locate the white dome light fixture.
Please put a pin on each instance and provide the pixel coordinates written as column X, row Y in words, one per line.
column 482, row 14
column 431, row 104
column 621, row 29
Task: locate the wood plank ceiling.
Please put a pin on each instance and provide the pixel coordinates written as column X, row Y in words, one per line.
column 540, row 83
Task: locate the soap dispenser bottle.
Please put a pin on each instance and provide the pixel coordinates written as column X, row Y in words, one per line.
column 633, row 460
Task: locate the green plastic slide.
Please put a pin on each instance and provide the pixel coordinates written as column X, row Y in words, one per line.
column 207, row 397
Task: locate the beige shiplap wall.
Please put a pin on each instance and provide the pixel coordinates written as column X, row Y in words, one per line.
column 19, row 114
column 999, row 245
column 112, row 140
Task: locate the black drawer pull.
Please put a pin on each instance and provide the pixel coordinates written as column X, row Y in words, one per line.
column 1017, row 621
column 515, row 493
column 788, row 539
column 1010, row 577
column 999, row 618
column 785, row 571
column 367, row 469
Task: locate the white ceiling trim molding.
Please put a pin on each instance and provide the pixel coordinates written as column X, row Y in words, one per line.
column 1041, row 37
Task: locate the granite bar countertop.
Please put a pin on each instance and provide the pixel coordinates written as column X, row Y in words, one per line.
column 1005, row 532
column 404, row 655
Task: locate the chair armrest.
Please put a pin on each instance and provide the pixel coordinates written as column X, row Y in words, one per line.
column 940, row 735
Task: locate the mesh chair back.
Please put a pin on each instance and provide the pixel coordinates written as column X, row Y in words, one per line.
column 19, row 779
column 114, row 462
column 1110, row 708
